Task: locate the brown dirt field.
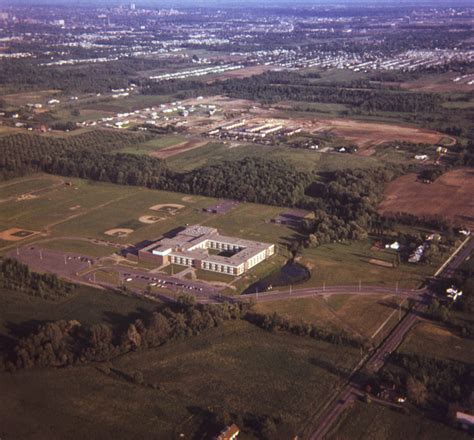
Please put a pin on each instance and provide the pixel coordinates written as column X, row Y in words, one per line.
column 366, row 134
column 118, row 232
column 244, row 73
column 450, row 197
column 149, row 219
column 167, row 206
column 10, row 234
column 182, row 147
column 439, row 84
column 24, row 98
column 380, row 263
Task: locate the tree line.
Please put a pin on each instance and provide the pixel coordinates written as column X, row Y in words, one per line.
column 15, row 276
column 274, row 322
column 64, row 343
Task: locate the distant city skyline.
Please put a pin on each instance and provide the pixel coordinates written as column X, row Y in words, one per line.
column 236, row 3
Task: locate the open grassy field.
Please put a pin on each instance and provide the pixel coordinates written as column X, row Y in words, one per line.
column 21, row 313
column 302, row 159
column 251, row 371
column 435, row 340
column 16, row 100
column 153, row 145
column 86, row 209
column 77, row 246
column 17, row 187
column 359, row 315
column 347, row 263
column 375, row 422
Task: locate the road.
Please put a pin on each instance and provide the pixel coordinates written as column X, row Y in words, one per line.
column 82, row 269
column 377, row 359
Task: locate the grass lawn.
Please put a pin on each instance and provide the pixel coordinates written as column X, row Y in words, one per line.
column 375, row 422
column 251, row 221
column 206, row 275
column 78, row 246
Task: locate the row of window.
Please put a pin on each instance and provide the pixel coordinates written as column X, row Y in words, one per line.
column 219, row 268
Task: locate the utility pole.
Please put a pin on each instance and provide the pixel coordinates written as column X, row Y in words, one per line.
column 360, row 284
column 18, row 251
column 324, row 286
column 41, row 254
column 399, row 303
column 290, row 289
column 65, row 262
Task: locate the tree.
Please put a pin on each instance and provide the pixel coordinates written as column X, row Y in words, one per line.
column 138, row 377
column 416, row 390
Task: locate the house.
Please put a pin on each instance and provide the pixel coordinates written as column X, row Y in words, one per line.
column 229, row 433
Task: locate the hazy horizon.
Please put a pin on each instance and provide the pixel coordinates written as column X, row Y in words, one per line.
column 234, row 3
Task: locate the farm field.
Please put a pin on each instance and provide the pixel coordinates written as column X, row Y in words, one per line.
column 375, row 422
column 252, row 371
column 449, row 196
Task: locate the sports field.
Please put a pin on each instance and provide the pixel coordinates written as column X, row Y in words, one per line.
column 83, row 211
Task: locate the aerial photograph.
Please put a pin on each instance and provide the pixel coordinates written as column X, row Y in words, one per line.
column 236, row 220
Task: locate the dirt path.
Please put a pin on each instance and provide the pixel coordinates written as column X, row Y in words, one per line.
column 182, row 147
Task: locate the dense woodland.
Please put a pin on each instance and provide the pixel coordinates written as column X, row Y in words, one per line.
column 432, row 384
column 272, row 87
column 24, row 153
column 19, row 75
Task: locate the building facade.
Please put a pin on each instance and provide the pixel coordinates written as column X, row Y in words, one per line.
column 204, row 248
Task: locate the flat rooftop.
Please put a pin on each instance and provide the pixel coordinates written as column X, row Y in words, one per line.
column 189, row 243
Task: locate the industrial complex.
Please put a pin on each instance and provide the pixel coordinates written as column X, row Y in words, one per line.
column 204, row 248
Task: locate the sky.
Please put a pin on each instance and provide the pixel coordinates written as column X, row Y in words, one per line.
column 223, row 3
